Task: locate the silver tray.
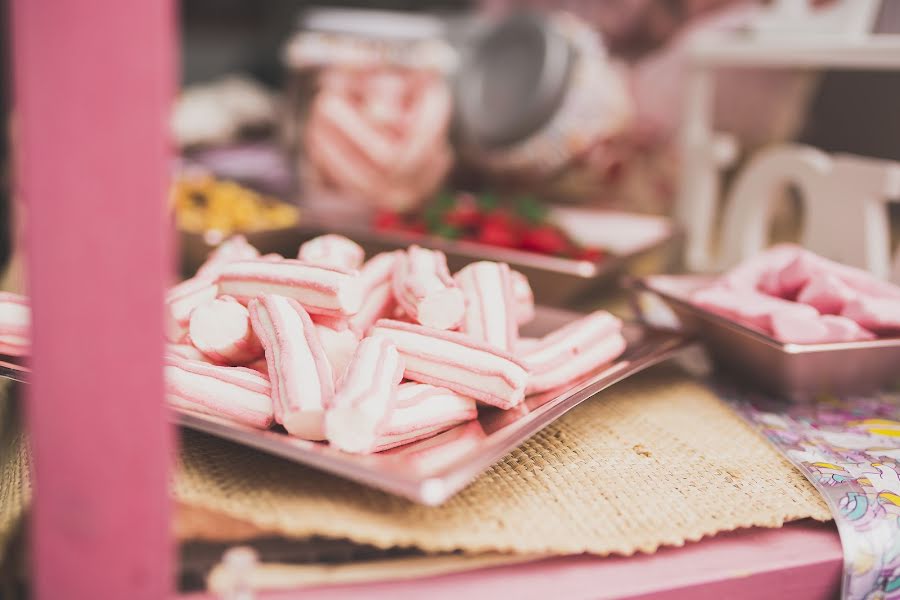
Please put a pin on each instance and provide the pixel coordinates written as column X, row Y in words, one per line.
column 796, row 371
column 555, row 281
column 431, row 470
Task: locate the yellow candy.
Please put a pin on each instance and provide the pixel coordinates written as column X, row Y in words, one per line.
column 204, row 203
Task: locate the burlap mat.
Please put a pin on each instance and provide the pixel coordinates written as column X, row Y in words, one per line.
column 656, row 460
column 15, row 489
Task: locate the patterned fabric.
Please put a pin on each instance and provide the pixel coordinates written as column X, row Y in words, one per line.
column 849, row 448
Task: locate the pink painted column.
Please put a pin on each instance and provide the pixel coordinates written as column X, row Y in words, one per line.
column 92, row 86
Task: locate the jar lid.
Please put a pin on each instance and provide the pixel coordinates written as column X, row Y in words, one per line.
column 512, row 81
column 362, row 37
column 394, row 25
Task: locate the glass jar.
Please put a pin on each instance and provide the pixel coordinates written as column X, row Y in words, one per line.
column 370, row 109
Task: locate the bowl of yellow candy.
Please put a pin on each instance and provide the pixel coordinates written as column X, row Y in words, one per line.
column 208, row 210
column 204, row 204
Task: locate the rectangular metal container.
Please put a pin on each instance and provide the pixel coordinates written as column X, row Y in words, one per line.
column 796, row 371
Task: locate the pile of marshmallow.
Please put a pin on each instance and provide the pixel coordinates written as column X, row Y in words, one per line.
column 15, row 325
column 365, row 355
column 798, row 297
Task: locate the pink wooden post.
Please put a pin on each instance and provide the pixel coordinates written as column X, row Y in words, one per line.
column 93, row 82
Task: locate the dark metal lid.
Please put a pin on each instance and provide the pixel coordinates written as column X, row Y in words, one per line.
column 511, row 82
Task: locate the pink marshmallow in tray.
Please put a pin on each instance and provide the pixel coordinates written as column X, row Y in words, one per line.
column 321, row 290
column 799, row 297
column 186, row 352
column 236, row 393
column 881, row 315
column 332, row 250
column 490, row 305
column 231, row 250
column 523, row 296
column 807, row 267
column 339, row 346
column 422, row 411
column 760, row 272
column 827, row 293
column 260, row 366
column 457, row 362
column 573, row 351
column 378, row 296
column 15, row 325
column 221, row 330
column 425, row 290
column 366, row 396
column 302, row 381
column 750, row 308
column 818, row 329
column 180, row 302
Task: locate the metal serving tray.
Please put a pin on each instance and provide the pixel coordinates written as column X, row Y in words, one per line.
column 797, row 371
column 636, row 244
column 431, row 470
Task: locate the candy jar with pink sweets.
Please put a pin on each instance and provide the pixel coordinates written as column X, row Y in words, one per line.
column 371, row 109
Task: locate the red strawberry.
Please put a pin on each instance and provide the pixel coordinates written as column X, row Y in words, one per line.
column 417, row 227
column 589, row 254
column 545, row 239
column 463, row 215
column 386, row 220
column 497, row 233
column 501, row 219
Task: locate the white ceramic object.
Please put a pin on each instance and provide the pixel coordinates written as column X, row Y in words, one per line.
column 845, row 202
column 801, row 17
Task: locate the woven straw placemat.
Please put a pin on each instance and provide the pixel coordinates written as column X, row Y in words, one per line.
column 15, row 489
column 655, row 460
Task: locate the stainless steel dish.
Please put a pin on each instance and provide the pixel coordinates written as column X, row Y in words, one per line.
column 797, row 371
column 556, row 281
column 432, row 470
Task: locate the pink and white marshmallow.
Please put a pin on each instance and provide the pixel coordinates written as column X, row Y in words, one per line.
column 881, row 315
column 819, row 329
column 321, row 290
column 180, row 302
column 457, row 362
column 231, row 250
column 332, row 250
column 301, row 377
column 523, row 297
column 573, row 351
column 186, row 352
column 339, row 345
column 378, row 296
column 15, row 325
column 750, row 308
column 366, row 396
column 222, row 331
column 808, row 266
column 490, row 304
column 425, row 290
column 422, row 411
column 235, row 393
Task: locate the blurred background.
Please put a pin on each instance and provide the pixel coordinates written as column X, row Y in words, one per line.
column 419, row 117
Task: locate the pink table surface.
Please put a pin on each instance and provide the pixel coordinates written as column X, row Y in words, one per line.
column 802, row 561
